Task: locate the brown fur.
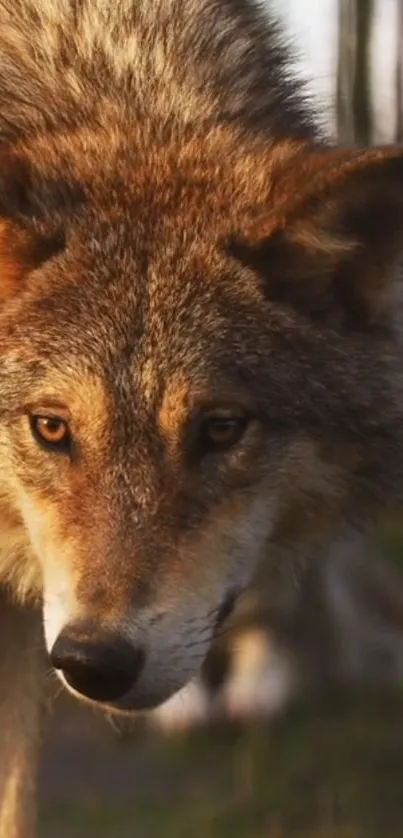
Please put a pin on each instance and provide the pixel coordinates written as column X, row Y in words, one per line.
column 179, row 241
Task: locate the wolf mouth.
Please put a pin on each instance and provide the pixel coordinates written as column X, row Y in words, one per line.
column 226, row 609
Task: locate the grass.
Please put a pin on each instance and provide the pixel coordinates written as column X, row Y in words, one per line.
column 329, row 770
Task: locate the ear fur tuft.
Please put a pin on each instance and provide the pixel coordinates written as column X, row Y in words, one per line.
column 331, row 239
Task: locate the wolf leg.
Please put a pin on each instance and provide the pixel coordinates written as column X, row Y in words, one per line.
column 22, row 669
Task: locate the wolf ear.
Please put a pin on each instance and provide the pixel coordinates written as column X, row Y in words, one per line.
column 24, row 242
column 331, row 243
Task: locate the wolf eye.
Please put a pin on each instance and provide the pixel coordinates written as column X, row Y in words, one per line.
column 51, row 432
column 219, row 433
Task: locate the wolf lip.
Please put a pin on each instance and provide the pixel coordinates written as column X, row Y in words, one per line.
column 226, row 608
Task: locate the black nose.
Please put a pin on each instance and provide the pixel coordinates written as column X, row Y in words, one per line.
column 102, row 667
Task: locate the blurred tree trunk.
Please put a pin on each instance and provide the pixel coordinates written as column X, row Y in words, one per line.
column 399, row 73
column 354, row 106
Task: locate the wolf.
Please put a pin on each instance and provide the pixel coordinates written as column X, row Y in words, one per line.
column 200, row 345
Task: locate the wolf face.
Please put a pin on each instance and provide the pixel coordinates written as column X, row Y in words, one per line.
column 199, row 364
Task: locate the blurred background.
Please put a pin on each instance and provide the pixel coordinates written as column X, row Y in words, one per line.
column 297, row 728
column 351, row 53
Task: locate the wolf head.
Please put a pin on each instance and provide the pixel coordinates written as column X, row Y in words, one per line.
column 199, row 363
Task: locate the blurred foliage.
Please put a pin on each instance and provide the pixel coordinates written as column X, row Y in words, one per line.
column 390, row 538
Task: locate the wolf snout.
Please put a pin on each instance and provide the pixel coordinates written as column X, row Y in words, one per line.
column 101, row 667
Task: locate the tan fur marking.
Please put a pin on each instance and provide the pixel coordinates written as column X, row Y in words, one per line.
column 174, row 410
column 18, row 256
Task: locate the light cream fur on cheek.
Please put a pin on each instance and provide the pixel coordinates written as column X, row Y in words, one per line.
column 59, row 605
column 59, row 600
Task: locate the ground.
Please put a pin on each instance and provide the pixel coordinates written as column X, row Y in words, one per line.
column 332, row 769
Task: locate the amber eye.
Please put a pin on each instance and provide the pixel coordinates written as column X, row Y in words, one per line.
column 219, row 433
column 51, row 432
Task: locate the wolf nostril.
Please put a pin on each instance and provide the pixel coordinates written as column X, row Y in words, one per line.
column 103, row 670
